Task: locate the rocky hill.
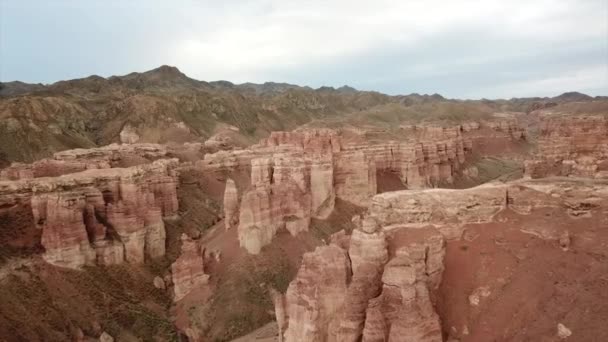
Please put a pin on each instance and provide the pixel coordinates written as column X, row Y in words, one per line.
column 164, row 105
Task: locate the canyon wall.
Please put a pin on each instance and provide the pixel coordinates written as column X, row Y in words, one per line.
column 296, row 176
column 288, row 187
column 99, row 216
column 381, row 282
column 377, row 289
column 570, row 146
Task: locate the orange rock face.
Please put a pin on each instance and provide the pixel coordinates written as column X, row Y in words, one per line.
column 572, row 145
column 103, row 216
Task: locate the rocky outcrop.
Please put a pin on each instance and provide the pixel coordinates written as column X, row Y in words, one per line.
column 288, row 187
column 280, row 198
column 368, row 253
column 77, row 160
column 312, row 305
column 296, row 176
column 570, row 146
column 103, row 216
column 446, row 208
column 231, row 204
column 396, row 255
column 387, row 297
column 509, row 126
column 129, row 135
column 355, row 177
column 188, row 271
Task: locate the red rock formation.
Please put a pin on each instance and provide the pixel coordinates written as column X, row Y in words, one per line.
column 64, row 234
column 103, row 216
column 77, row 160
column 276, row 200
column 388, row 295
column 508, row 126
column 231, row 204
column 355, row 177
column 397, row 255
column 368, row 253
column 188, row 271
column 312, row 305
column 298, row 175
column 570, row 145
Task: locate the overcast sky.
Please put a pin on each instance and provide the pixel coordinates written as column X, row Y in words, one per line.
column 462, row 49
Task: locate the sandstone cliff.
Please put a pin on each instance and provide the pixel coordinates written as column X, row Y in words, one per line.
column 395, row 258
column 103, row 216
column 296, row 176
column 385, row 298
column 570, row 145
column 77, row 160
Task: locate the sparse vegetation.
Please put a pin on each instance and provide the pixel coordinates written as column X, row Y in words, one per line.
column 49, row 303
column 242, row 302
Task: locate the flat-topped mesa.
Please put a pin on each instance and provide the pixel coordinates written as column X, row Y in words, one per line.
column 570, row 145
column 100, row 216
column 450, row 210
column 77, row 160
column 188, row 271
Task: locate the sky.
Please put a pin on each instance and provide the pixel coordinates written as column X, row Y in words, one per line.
column 460, row 49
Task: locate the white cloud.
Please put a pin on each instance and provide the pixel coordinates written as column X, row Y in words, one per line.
column 250, row 42
column 589, row 79
column 380, row 44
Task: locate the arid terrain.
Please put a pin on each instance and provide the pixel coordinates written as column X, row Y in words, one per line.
column 156, row 207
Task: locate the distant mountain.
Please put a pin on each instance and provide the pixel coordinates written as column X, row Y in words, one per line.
column 572, row 96
column 18, row 88
column 164, row 104
column 160, row 105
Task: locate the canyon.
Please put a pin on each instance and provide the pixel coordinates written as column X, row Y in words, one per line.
column 182, row 220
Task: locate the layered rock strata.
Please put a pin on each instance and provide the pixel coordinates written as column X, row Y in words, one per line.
column 570, row 146
column 231, row 204
column 287, row 189
column 313, row 305
column 427, row 156
column 100, row 216
column 396, row 254
column 77, row 160
column 188, row 271
column 296, row 176
column 385, row 298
